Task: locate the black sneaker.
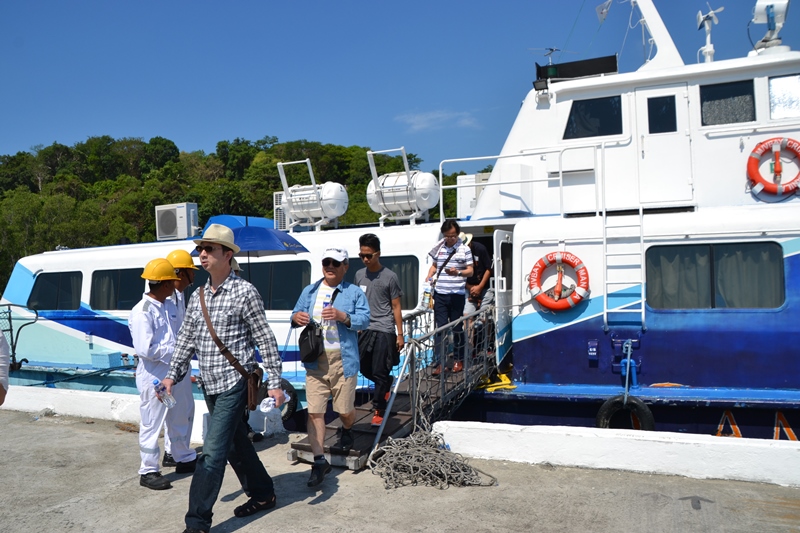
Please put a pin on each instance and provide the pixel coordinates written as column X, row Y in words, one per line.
column 186, row 467
column 345, row 441
column 155, row 481
column 318, row 471
column 168, row 461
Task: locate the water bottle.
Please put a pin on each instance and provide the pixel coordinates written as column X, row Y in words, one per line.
column 268, row 403
column 426, row 295
column 162, row 394
column 327, row 301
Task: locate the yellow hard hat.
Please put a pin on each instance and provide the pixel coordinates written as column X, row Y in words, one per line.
column 159, row 270
column 181, row 259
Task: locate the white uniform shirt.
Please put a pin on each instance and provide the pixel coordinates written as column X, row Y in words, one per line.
column 150, row 324
column 179, row 309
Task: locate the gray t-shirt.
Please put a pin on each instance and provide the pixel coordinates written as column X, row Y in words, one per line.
column 381, row 288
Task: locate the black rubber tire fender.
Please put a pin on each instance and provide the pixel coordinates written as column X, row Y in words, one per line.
column 288, row 409
column 636, row 406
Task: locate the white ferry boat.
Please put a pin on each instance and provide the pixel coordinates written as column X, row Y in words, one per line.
column 662, row 203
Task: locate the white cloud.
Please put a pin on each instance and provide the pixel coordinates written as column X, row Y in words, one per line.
column 435, row 120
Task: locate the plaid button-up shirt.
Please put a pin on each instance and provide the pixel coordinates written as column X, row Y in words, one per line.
column 237, row 313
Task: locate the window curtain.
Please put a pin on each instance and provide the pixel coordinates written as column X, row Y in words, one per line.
column 749, row 276
column 679, row 277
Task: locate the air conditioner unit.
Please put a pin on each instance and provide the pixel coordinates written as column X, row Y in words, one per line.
column 176, row 221
column 279, row 215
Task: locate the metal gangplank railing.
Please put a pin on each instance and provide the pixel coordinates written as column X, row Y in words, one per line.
column 435, row 395
column 418, row 397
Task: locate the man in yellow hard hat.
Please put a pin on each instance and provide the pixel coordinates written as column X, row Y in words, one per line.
column 153, row 336
column 184, row 267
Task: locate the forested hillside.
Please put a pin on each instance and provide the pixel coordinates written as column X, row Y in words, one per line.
column 103, row 191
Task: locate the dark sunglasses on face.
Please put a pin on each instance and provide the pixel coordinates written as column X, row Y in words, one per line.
column 328, row 262
column 368, row 257
column 208, row 249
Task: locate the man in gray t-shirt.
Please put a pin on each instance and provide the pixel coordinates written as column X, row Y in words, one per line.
column 381, row 343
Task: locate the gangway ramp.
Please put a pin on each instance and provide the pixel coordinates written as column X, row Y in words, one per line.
column 418, row 398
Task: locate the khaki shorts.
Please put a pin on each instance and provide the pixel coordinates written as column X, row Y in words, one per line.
column 326, row 380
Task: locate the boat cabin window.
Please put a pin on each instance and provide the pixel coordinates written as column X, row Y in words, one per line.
column 661, row 116
column 56, row 291
column 715, row 276
column 595, row 117
column 406, row 267
column 784, row 97
column 116, row 290
column 727, row 103
column 279, row 284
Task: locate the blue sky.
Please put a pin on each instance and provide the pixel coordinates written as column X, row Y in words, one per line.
column 443, row 78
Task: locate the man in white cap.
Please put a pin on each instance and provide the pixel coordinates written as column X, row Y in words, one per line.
column 153, row 338
column 237, row 315
column 342, row 310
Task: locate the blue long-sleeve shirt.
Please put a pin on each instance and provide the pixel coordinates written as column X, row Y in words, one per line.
column 352, row 300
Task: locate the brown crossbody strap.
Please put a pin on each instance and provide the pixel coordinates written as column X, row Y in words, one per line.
column 222, row 348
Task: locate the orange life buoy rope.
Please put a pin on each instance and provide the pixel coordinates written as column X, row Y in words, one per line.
column 556, row 303
column 775, row 145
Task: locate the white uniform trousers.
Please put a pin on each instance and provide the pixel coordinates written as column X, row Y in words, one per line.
column 153, row 414
column 180, row 422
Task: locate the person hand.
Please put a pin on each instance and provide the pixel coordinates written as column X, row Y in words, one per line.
column 301, row 318
column 453, row 271
column 400, row 343
column 331, row 313
column 277, row 395
column 168, row 383
column 474, row 291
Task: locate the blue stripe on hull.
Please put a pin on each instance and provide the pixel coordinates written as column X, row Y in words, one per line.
column 729, row 349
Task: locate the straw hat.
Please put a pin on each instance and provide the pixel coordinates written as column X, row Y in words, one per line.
column 217, row 233
column 466, row 238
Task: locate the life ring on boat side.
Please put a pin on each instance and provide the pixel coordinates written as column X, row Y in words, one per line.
column 774, row 145
column 555, row 302
column 637, row 408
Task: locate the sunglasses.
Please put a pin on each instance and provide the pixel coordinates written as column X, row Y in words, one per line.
column 208, row 249
column 368, row 257
column 328, row 262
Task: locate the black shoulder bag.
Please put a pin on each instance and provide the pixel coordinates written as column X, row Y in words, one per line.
column 311, row 343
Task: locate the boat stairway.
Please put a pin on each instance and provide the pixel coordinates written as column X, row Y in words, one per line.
column 419, row 396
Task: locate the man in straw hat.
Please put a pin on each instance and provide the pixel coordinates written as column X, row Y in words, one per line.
column 237, row 314
column 153, row 337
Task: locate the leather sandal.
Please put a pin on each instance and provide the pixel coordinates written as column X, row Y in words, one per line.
column 253, row 506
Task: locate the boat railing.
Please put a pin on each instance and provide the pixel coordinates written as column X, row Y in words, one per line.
column 599, row 157
column 435, row 396
column 7, row 327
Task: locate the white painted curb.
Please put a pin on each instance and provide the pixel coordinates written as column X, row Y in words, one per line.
column 89, row 404
column 696, row 456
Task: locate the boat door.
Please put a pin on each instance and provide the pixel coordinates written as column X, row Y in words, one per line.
column 664, row 155
column 503, row 288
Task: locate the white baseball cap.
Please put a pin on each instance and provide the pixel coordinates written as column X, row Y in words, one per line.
column 337, row 254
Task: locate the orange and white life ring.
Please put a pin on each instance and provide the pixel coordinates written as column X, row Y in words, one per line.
column 555, row 303
column 774, row 145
